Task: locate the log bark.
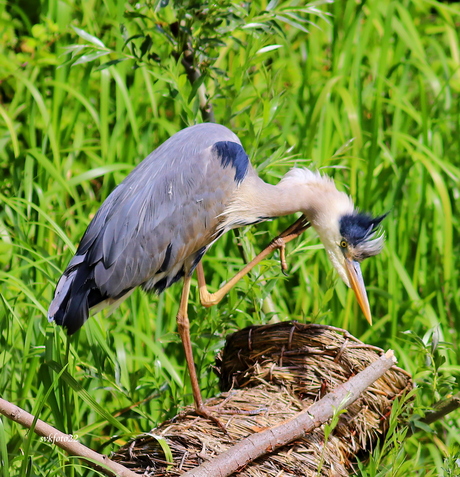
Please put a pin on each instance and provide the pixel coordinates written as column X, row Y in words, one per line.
column 64, row 441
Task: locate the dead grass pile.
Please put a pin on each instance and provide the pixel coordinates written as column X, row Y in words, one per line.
column 269, row 374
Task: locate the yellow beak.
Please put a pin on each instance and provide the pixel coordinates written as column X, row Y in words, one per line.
column 357, row 284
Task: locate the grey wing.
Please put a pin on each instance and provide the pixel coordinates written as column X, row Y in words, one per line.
column 156, row 225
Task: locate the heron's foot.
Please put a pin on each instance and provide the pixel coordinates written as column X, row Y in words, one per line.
column 280, row 244
column 283, row 259
column 210, row 412
column 292, row 232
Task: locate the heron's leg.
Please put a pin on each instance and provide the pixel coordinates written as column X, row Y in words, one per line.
column 183, row 326
column 293, row 231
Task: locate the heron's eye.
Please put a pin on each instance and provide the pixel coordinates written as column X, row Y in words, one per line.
column 343, row 244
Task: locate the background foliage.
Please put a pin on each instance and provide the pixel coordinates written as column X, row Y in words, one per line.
column 367, row 90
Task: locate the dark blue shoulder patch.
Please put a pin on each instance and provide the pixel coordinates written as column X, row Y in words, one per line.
column 355, row 228
column 232, row 154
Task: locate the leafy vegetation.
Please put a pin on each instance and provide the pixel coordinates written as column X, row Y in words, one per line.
column 369, row 92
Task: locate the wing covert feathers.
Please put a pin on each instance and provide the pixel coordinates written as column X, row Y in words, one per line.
column 155, row 226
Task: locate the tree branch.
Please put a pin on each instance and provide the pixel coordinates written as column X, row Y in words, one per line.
column 260, row 443
column 442, row 408
column 64, row 441
column 193, row 74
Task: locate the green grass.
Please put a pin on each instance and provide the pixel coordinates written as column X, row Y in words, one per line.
column 371, row 93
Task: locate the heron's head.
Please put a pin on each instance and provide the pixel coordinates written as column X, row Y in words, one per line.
column 348, row 240
column 348, row 235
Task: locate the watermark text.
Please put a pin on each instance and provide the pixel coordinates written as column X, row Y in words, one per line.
column 53, row 438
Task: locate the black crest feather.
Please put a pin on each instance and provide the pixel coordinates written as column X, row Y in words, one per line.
column 359, row 231
column 356, row 228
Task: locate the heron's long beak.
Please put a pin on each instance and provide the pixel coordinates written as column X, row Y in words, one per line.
column 357, row 284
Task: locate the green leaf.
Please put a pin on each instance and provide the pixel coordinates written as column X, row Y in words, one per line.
column 435, row 339
column 3, row 450
column 110, row 63
column 291, row 22
column 86, row 36
column 74, row 48
column 422, row 426
column 196, row 84
column 146, row 45
column 83, row 394
column 165, row 448
column 131, row 38
column 135, row 15
column 266, row 49
column 91, row 57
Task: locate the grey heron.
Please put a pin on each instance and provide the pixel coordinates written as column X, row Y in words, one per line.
column 155, row 227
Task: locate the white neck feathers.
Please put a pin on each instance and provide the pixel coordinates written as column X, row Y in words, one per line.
column 300, row 190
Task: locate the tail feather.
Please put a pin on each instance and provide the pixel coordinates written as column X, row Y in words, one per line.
column 76, row 292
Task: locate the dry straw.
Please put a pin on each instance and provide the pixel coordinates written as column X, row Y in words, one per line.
column 270, row 373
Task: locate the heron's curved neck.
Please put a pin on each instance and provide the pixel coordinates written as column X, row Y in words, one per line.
column 300, row 190
column 256, row 201
column 284, row 199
